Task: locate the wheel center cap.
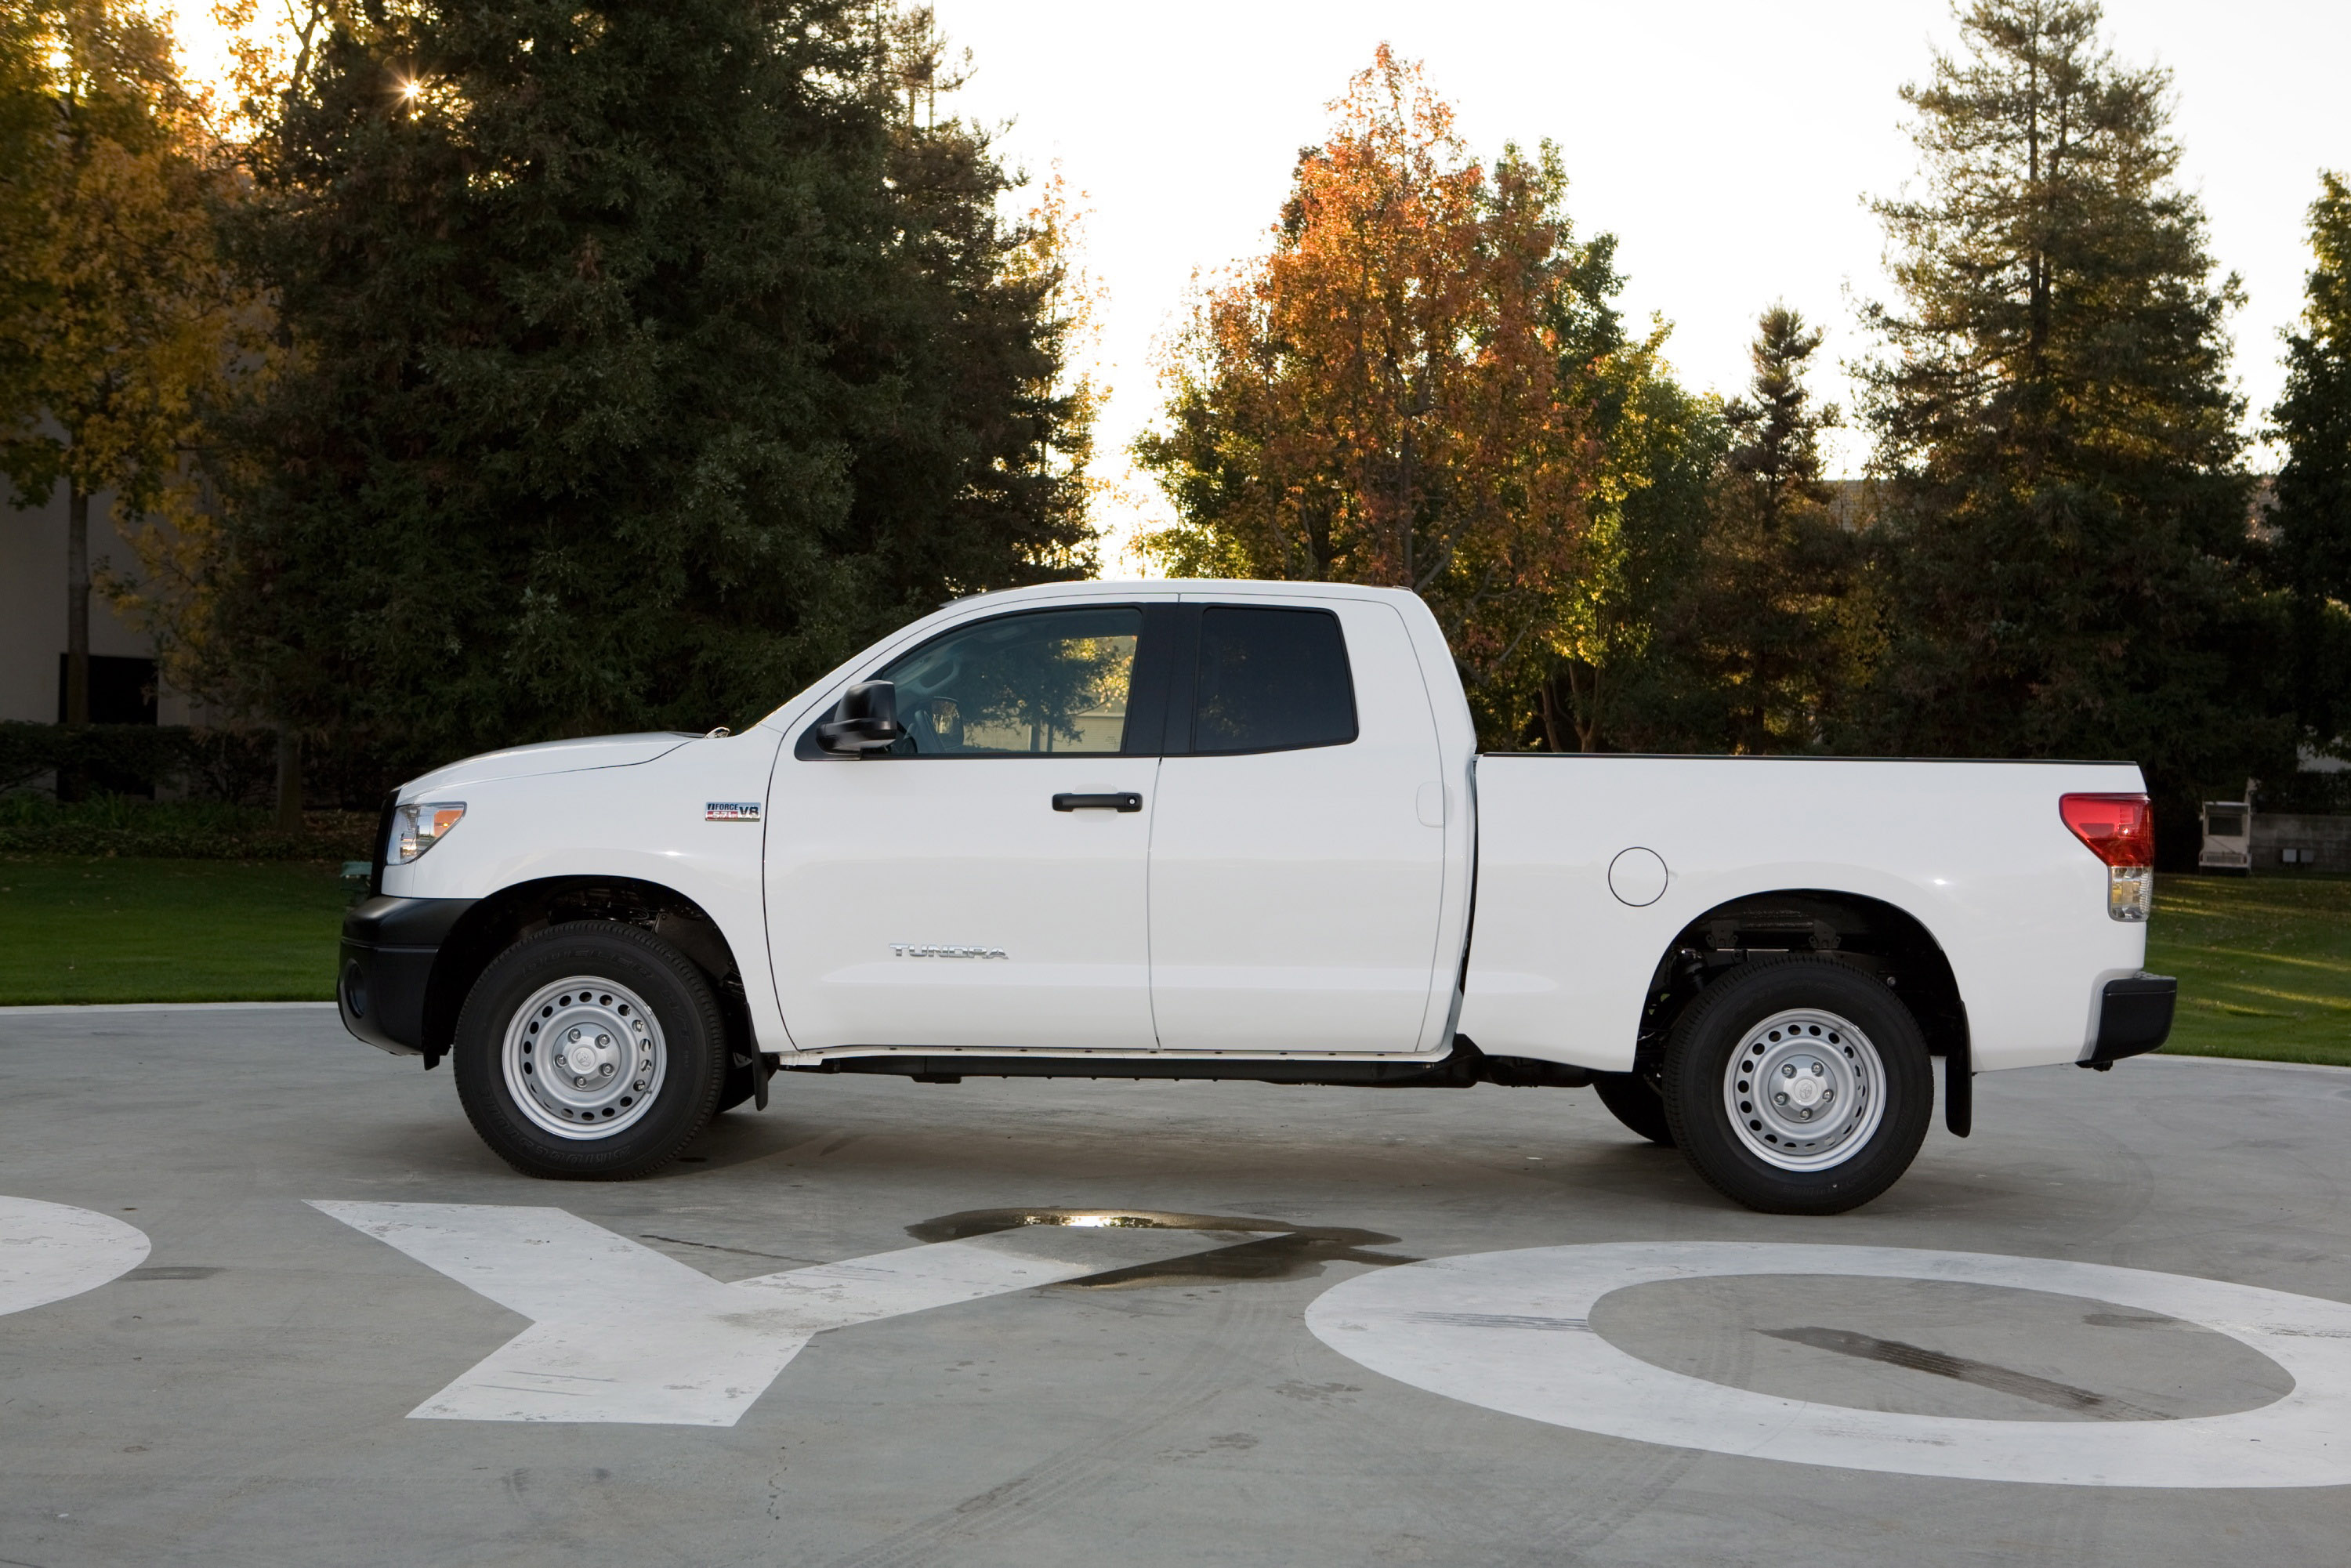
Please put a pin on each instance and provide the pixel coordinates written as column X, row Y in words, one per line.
column 583, row 1057
column 1805, row 1089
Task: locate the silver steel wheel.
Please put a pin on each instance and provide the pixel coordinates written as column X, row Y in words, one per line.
column 1805, row 1089
column 584, row 1058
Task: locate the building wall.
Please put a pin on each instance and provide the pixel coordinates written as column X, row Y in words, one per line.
column 33, row 606
column 2276, row 831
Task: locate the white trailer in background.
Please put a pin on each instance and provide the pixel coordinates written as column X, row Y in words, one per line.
column 2228, row 836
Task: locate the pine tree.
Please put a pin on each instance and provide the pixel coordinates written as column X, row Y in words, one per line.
column 2062, row 562
column 1764, row 617
column 2313, row 489
column 642, row 362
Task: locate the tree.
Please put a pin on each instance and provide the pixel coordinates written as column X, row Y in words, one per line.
column 119, row 320
column 2313, row 489
column 1765, row 618
column 1619, row 670
column 1378, row 400
column 641, row 363
column 2063, row 556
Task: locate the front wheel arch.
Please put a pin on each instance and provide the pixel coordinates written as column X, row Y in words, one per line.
column 514, row 912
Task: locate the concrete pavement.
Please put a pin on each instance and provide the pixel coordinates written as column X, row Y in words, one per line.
column 243, row 1394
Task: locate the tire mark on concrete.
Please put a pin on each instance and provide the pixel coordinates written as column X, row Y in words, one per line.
column 1214, row 1368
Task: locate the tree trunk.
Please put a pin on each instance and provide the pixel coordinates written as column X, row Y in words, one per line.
column 73, row 779
column 289, row 781
column 77, row 604
column 1584, row 714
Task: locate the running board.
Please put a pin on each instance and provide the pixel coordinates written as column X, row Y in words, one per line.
column 1464, row 1066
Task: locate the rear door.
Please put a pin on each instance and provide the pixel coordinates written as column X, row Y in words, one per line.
column 983, row 883
column 1298, row 842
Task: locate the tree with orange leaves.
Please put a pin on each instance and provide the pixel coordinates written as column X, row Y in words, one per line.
column 1379, row 399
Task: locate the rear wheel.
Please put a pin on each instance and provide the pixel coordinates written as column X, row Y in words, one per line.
column 1800, row 1086
column 1634, row 1100
column 590, row 1050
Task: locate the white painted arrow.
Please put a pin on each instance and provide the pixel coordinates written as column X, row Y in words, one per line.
column 621, row 1332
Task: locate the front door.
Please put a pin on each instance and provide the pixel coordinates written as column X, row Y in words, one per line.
column 982, row 884
column 1298, row 852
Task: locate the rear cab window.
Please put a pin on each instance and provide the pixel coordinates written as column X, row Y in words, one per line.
column 1270, row 679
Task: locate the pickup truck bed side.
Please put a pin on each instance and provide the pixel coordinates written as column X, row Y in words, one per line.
column 1561, row 967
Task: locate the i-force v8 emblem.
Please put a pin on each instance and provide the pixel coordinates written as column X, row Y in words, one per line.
column 925, row 950
column 731, row 811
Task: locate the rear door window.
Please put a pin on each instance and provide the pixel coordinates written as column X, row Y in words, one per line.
column 1271, row 680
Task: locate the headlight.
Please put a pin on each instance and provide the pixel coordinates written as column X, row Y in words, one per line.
column 417, row 827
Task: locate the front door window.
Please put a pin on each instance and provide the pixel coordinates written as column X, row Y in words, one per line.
column 1050, row 683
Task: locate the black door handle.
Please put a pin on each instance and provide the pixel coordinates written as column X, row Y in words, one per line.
column 1121, row 800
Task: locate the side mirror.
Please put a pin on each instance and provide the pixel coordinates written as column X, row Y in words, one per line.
column 866, row 720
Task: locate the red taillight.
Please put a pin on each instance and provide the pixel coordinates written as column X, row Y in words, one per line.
column 2119, row 829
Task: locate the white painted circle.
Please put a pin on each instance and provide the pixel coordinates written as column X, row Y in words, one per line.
column 1509, row 1331
column 1638, row 877
column 51, row 1250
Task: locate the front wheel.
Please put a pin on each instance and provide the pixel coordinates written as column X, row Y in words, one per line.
column 1800, row 1086
column 590, row 1050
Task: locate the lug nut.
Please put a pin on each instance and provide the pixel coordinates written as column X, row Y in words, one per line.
column 575, row 1034
column 1778, row 1099
column 608, row 1070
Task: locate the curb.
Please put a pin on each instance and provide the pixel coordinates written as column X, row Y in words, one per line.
column 2243, row 1062
column 63, row 1007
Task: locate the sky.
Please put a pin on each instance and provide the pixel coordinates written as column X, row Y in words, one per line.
column 1729, row 147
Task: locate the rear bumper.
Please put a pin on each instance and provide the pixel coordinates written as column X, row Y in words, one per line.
column 389, row 948
column 2134, row 1017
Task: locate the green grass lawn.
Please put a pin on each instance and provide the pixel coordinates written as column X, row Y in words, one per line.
column 2264, row 966
column 74, row 929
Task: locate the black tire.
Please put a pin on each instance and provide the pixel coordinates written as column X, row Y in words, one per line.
column 1856, row 1151
column 1636, row 1101
column 685, row 1033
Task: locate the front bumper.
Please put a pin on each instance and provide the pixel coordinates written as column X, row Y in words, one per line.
column 2134, row 1017
column 389, row 948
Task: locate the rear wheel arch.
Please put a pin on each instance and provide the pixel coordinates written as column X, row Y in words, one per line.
column 1876, row 937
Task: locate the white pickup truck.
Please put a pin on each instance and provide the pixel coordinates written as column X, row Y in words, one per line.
column 1242, row 830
